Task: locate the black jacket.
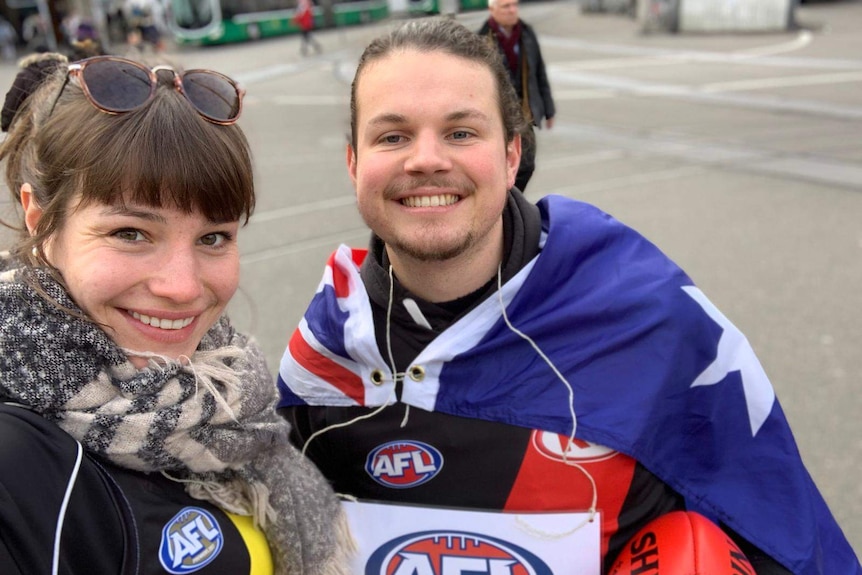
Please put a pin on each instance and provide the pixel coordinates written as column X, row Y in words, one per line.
column 531, row 73
column 115, row 520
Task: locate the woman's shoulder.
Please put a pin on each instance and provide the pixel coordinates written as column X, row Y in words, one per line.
column 28, row 438
column 36, row 456
column 37, row 461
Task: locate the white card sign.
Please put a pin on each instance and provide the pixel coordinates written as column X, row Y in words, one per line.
column 415, row 540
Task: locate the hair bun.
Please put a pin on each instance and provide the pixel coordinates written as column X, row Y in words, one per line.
column 34, row 70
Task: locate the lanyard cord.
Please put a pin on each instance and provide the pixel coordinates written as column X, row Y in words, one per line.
column 571, row 440
column 396, row 376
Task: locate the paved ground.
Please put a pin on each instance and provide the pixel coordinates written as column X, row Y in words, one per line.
column 739, row 155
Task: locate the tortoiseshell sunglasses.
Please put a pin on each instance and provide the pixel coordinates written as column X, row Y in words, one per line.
column 117, row 85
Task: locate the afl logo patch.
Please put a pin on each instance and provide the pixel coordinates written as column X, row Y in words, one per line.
column 453, row 553
column 190, row 541
column 557, row 447
column 403, row 464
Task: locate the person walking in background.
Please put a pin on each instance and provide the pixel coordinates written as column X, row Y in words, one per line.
column 82, row 37
column 34, row 32
column 519, row 46
column 304, row 18
column 145, row 20
column 8, row 39
column 491, row 354
column 137, row 426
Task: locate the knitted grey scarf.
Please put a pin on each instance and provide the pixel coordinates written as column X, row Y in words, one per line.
column 208, row 421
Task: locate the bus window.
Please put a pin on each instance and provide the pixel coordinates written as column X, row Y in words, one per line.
column 193, row 14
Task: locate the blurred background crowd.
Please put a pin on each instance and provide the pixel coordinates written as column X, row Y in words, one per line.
column 112, row 26
column 28, row 26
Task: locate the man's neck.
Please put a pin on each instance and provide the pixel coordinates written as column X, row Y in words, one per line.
column 507, row 30
column 443, row 281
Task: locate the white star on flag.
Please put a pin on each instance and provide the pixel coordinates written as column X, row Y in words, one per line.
column 735, row 354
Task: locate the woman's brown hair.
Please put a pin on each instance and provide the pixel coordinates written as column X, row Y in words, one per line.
column 162, row 154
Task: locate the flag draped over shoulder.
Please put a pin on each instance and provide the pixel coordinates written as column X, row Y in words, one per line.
column 656, row 372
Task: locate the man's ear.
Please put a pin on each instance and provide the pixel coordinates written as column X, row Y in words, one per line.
column 513, row 160
column 351, row 164
column 32, row 210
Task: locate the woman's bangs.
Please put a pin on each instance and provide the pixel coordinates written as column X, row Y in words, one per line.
column 173, row 158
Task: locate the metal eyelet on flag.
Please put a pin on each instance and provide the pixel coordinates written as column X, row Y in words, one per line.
column 417, row 373
column 377, row 377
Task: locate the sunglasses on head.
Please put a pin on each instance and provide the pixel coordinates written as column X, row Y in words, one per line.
column 116, row 85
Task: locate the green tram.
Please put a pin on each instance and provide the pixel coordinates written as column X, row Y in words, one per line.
column 207, row 22
column 433, row 6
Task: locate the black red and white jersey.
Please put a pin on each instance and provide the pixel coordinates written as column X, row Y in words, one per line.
column 443, row 460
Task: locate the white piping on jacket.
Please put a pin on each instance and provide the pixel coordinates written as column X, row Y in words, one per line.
column 55, row 567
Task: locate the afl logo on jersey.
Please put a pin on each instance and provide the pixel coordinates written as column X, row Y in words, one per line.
column 557, row 447
column 190, row 541
column 453, row 553
column 403, row 464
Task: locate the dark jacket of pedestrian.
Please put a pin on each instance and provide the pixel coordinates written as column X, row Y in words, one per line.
column 527, row 70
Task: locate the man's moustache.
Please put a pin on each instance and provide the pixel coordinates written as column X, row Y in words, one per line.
column 401, row 186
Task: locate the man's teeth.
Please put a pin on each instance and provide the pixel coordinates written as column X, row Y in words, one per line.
column 429, row 201
column 163, row 323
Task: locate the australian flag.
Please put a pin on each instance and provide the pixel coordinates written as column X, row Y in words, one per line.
column 645, row 364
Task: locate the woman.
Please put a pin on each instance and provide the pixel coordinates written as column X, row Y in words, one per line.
column 137, row 433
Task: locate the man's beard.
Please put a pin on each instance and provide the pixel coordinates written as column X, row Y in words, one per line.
column 431, row 254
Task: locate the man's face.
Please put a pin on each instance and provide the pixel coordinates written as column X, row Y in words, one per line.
column 431, row 166
column 505, row 12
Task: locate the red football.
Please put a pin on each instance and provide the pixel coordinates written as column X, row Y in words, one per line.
column 681, row 543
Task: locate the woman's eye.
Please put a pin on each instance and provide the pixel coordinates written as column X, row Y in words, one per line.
column 129, row 235
column 215, row 240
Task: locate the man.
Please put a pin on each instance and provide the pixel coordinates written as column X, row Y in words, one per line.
column 523, row 58
column 553, row 358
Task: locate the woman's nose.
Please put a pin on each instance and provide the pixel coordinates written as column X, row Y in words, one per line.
column 177, row 276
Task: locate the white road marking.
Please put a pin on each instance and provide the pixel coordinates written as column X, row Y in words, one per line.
column 781, row 82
